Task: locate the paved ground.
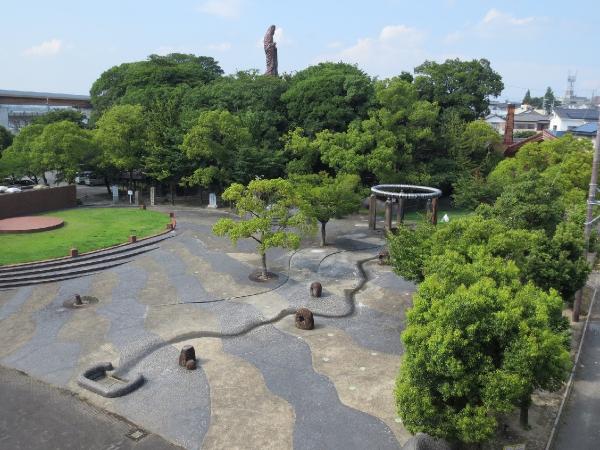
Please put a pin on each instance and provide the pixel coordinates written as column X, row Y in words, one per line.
column 578, row 428
column 35, row 416
column 261, row 383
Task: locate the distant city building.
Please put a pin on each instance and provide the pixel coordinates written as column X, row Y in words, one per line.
column 500, row 108
column 19, row 108
column 567, row 119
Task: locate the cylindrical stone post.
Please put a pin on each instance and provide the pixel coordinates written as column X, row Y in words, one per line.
column 388, row 215
column 400, row 211
column 187, row 354
column 136, row 197
column 434, row 211
column 372, row 212
column 316, row 289
column 132, row 239
column 304, row 319
column 73, row 253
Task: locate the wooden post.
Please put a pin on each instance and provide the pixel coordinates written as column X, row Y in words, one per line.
column 400, row 211
column 372, row 212
column 388, row 215
column 434, row 211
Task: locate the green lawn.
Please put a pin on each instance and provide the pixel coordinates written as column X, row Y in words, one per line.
column 85, row 229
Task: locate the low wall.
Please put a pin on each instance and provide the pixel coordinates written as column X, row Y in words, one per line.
column 31, row 202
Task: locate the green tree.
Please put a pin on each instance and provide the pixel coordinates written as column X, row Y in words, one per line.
column 477, row 343
column 527, row 98
column 58, row 115
column 6, row 138
column 213, row 144
column 165, row 160
column 23, row 158
column 122, row 134
column 327, row 198
column 461, row 86
column 267, row 209
column 328, row 96
column 550, row 101
column 64, row 147
column 157, row 71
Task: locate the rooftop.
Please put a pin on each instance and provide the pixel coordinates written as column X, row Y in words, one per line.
column 577, row 113
column 54, row 96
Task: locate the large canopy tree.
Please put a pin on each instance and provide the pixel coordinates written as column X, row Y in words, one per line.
column 328, row 96
column 157, row 71
column 461, row 86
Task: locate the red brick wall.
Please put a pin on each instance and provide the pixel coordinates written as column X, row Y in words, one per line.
column 31, row 202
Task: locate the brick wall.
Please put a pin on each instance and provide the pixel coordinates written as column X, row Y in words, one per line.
column 31, row 202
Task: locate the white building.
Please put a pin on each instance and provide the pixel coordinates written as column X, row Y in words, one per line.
column 496, row 122
column 565, row 119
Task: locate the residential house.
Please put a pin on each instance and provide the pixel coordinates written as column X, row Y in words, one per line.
column 531, row 120
column 496, row 122
column 567, row 119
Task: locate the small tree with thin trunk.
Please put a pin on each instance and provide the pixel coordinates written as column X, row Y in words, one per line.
column 327, row 198
column 268, row 210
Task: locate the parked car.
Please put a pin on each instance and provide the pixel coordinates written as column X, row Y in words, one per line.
column 89, row 178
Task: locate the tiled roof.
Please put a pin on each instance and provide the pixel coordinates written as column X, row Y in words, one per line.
column 576, row 113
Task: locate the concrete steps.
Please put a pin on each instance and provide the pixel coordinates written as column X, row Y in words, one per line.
column 66, row 268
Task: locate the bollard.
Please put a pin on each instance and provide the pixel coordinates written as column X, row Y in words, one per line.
column 316, row 289
column 304, row 319
column 73, row 252
column 132, row 239
column 187, row 354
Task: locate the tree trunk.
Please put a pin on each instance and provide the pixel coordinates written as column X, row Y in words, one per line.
column 107, row 184
column 45, row 179
column 323, row 235
column 524, row 413
column 172, row 188
column 263, row 258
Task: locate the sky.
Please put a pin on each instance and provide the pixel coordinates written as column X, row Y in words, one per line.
column 63, row 46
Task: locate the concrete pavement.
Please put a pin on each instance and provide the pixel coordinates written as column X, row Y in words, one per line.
column 579, row 427
column 34, row 416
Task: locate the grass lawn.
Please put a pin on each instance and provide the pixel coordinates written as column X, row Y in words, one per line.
column 85, row 229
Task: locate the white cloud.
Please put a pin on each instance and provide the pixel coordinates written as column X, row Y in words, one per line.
column 47, row 48
column 453, row 38
column 493, row 16
column 397, row 48
column 228, row 9
column 219, row 47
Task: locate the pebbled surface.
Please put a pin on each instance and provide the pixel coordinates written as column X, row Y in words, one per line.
column 257, row 375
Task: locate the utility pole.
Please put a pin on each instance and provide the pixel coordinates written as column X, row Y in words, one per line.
column 589, row 220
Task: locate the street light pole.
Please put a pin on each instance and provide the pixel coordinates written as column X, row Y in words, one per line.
column 589, row 220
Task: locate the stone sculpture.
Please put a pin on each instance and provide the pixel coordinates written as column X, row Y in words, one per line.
column 270, row 51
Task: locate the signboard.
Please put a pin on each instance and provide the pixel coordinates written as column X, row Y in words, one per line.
column 130, row 193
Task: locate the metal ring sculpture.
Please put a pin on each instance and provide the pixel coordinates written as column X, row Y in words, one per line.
column 420, row 191
column 397, row 191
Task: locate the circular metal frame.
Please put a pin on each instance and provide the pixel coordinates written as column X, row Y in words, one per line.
column 422, row 191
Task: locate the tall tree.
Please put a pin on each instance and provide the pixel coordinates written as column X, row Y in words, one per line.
column 267, row 209
column 461, row 86
column 122, row 134
column 328, row 96
column 170, row 70
column 527, row 98
column 213, row 144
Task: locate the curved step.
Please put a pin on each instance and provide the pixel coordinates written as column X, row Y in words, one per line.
column 72, row 264
column 88, row 256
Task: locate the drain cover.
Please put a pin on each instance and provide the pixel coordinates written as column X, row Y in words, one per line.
column 136, row 434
